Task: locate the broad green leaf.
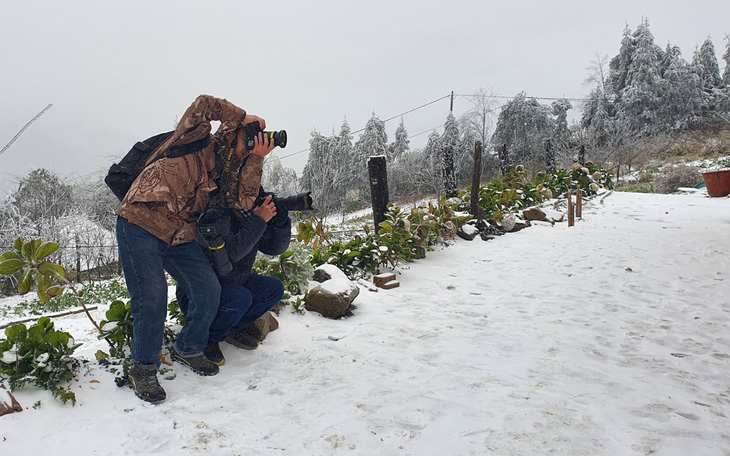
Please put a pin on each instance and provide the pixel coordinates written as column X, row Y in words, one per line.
column 14, row 332
column 116, row 311
column 18, row 244
column 59, row 338
column 37, row 334
column 25, row 282
column 9, row 255
column 101, row 355
column 51, row 269
column 44, row 250
column 11, row 266
column 286, row 254
column 44, row 282
column 27, row 251
column 54, row 291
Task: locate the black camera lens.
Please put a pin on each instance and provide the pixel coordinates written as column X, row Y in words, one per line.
column 279, row 138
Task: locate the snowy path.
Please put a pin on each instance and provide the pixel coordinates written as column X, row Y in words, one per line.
column 608, row 338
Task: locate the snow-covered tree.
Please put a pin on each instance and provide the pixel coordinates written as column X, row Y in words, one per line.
column 726, row 58
column 478, row 121
column 319, row 175
column 429, row 176
column 705, row 64
column 42, row 197
column 682, row 95
column 400, row 146
column 641, row 95
column 522, row 127
column 450, row 149
column 373, row 141
column 92, row 197
column 619, row 65
column 278, row 179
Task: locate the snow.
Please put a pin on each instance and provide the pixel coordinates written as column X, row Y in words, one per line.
column 336, row 286
column 606, row 338
column 470, row 230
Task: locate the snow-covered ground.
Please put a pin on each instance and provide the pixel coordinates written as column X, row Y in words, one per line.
column 608, row 338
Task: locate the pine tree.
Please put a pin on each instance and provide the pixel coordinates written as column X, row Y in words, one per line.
column 641, row 96
column 400, row 146
column 682, row 96
column 726, row 58
column 372, row 142
column 450, row 150
column 619, row 65
column 705, row 64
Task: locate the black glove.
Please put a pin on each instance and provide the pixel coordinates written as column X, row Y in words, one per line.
column 281, row 217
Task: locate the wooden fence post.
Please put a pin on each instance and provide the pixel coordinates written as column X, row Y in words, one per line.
column 571, row 209
column 378, row 172
column 579, row 203
column 476, row 180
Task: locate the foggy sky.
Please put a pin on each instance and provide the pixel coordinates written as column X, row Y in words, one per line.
column 118, row 72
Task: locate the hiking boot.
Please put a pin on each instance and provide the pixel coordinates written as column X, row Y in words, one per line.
column 213, row 353
column 199, row 364
column 143, row 379
column 241, row 339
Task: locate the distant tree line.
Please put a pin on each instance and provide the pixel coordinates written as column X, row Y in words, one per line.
column 642, row 96
column 638, row 96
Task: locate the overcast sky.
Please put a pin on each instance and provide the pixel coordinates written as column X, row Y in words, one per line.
column 117, row 72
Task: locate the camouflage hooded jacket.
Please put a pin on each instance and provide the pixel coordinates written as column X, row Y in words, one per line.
column 169, row 195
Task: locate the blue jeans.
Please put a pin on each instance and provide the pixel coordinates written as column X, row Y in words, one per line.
column 242, row 305
column 144, row 261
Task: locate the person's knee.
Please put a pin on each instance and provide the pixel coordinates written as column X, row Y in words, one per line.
column 277, row 288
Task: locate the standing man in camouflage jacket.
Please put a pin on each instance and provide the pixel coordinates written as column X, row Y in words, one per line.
column 156, row 230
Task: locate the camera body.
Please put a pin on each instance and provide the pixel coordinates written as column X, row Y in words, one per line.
column 254, row 128
column 213, row 225
column 300, row 202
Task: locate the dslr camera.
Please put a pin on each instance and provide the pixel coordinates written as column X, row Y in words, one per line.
column 212, row 226
column 300, row 202
column 254, row 128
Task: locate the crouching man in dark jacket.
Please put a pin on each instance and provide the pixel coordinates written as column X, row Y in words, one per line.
column 231, row 238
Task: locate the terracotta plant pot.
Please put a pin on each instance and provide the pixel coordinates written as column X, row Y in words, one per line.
column 717, row 182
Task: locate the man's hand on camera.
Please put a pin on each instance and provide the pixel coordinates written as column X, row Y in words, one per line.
column 263, row 145
column 251, row 119
column 281, row 217
column 267, row 209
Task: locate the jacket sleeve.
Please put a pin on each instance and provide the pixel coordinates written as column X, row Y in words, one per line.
column 195, row 122
column 277, row 239
column 245, row 238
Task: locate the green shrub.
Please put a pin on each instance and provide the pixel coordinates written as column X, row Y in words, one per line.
column 646, row 187
column 39, row 355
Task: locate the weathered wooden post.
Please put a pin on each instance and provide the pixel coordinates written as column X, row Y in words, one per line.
column 579, row 203
column 571, row 208
column 378, row 173
column 476, row 180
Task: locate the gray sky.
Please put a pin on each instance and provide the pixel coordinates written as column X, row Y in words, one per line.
column 117, row 72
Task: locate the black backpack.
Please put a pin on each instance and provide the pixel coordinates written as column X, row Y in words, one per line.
column 122, row 174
